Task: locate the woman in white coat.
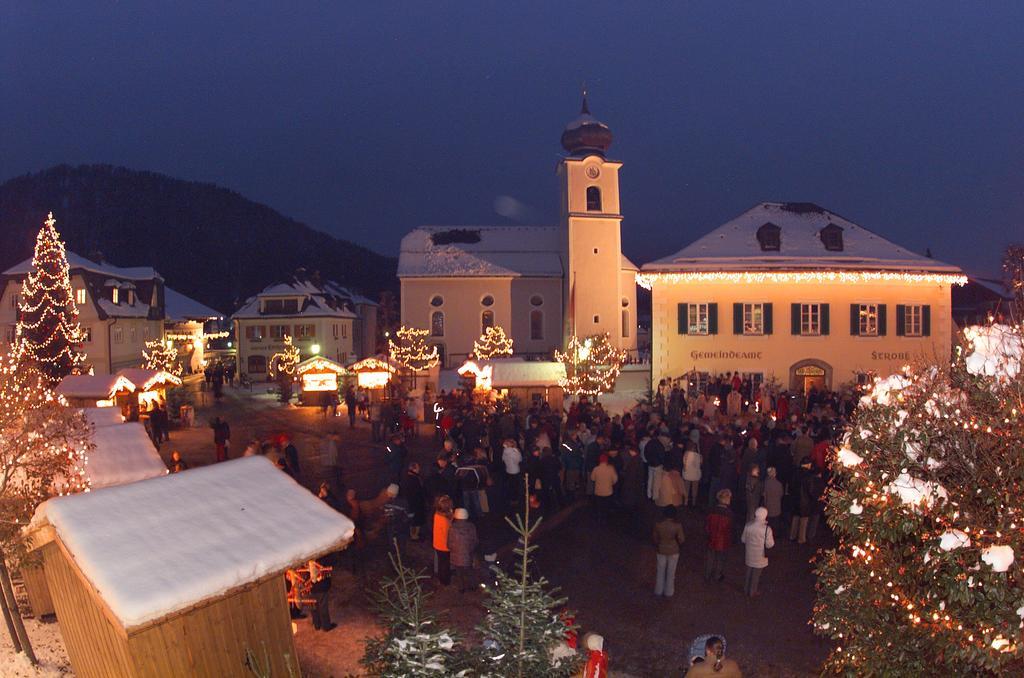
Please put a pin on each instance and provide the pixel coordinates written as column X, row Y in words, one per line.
column 691, row 474
column 758, row 538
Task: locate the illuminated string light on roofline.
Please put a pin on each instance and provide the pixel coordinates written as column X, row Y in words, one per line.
column 647, row 280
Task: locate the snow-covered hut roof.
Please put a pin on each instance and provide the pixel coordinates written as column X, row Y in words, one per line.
column 124, row 453
column 93, row 386
column 145, row 379
column 78, row 262
column 481, row 251
column 734, row 246
column 179, row 308
column 512, row 372
column 158, row 546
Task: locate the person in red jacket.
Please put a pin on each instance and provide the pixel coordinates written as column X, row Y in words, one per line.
column 719, row 529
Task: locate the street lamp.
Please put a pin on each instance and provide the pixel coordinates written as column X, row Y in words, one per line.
column 315, row 348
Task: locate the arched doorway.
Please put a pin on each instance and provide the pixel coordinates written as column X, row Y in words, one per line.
column 810, row 373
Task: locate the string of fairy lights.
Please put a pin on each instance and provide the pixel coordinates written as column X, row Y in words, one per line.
column 493, row 343
column 649, row 279
column 592, row 365
column 412, row 350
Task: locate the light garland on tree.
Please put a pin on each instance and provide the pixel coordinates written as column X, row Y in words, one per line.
column 648, row 280
column 181, row 336
column 412, row 349
column 48, row 328
column 592, row 365
column 285, row 362
column 493, row 343
column 161, row 355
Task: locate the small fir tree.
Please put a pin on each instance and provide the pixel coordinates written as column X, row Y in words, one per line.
column 161, row 355
column 926, row 502
column 414, row 644
column 592, row 365
column 523, row 626
column 48, row 326
column 282, row 367
column 411, row 349
column 1013, row 270
column 493, row 343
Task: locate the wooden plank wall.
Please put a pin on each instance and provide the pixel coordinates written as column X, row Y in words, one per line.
column 38, row 592
column 212, row 640
column 95, row 647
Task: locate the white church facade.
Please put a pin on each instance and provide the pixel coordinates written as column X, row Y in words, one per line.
column 540, row 284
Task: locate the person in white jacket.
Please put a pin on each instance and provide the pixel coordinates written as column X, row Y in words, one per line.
column 758, row 538
column 691, row 473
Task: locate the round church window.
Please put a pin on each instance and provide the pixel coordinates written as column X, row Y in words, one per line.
column 536, row 300
column 436, row 300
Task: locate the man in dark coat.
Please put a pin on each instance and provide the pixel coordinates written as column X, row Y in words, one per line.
column 412, row 489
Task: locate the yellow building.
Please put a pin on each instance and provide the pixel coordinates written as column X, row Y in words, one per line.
column 540, row 284
column 794, row 293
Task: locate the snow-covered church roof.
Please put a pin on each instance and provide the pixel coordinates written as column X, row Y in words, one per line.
column 736, row 245
column 484, row 251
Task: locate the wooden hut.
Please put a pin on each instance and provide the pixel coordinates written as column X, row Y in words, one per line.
column 529, row 381
column 182, row 575
column 318, row 378
column 97, row 390
column 151, row 385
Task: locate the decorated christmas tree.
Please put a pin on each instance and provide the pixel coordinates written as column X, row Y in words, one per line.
column 48, row 326
column 591, row 365
column 524, row 631
column 411, row 349
column 493, row 343
column 928, row 507
column 282, row 367
column 161, row 355
column 414, row 643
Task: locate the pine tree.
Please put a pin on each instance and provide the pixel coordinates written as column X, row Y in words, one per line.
column 592, row 365
column 493, row 343
column 48, row 325
column 412, row 350
column 927, row 577
column 523, row 625
column 414, row 643
column 282, row 367
column 161, row 355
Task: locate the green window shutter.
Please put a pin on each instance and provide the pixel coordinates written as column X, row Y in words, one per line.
column 794, row 318
column 712, row 318
column 684, row 320
column 824, row 319
column 737, row 318
column 926, row 320
column 883, row 315
column 767, row 318
column 901, row 320
column 854, row 320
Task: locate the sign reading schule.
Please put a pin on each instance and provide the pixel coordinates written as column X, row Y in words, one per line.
column 726, row 355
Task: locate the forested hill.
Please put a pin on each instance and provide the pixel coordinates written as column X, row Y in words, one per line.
column 207, row 242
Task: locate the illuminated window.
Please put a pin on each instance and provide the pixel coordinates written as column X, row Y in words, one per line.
column 867, row 320
column 115, row 295
column 536, row 324
column 437, row 324
column 80, row 296
column 697, row 319
column 486, row 320
column 810, row 319
column 753, row 318
column 593, row 199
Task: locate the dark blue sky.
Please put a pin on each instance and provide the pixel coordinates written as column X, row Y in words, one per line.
column 368, row 121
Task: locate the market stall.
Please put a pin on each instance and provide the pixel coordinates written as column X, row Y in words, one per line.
column 527, row 381
column 97, row 390
column 319, row 379
column 151, row 385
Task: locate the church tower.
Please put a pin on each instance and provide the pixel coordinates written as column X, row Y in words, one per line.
column 595, row 298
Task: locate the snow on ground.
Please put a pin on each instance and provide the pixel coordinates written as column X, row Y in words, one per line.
column 49, row 649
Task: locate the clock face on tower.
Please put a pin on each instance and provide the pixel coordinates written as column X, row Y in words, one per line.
column 593, row 171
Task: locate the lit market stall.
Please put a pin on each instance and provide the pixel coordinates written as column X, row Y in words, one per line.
column 374, row 374
column 527, row 381
column 97, row 390
column 319, row 377
column 152, row 385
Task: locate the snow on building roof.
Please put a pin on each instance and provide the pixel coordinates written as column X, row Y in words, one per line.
column 76, row 261
column 124, row 453
column 179, row 308
column 512, row 372
column 93, row 386
column 318, row 299
column 145, row 379
column 734, row 246
column 480, row 251
column 136, row 310
column 154, row 547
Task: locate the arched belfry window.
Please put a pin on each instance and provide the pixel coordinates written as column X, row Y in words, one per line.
column 593, row 199
column 769, row 236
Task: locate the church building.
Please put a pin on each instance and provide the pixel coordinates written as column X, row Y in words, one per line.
column 541, row 284
column 798, row 295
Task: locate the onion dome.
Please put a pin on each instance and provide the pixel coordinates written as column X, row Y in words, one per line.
column 586, row 134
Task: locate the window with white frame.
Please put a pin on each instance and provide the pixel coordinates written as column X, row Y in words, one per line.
column 913, row 320
column 753, row 318
column 80, row 296
column 344, row 330
column 334, row 330
column 86, row 335
column 14, row 300
column 810, row 319
column 118, row 335
column 145, row 333
column 133, row 333
column 697, row 318
column 867, row 320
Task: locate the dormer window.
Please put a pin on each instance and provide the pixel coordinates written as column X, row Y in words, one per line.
column 131, row 297
column 593, row 199
column 770, row 237
column 832, row 238
column 115, row 295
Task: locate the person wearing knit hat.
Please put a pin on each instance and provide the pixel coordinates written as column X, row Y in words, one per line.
column 758, row 538
column 462, row 543
column 597, row 658
column 392, row 490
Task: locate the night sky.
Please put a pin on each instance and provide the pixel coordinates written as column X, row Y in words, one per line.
column 369, row 119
